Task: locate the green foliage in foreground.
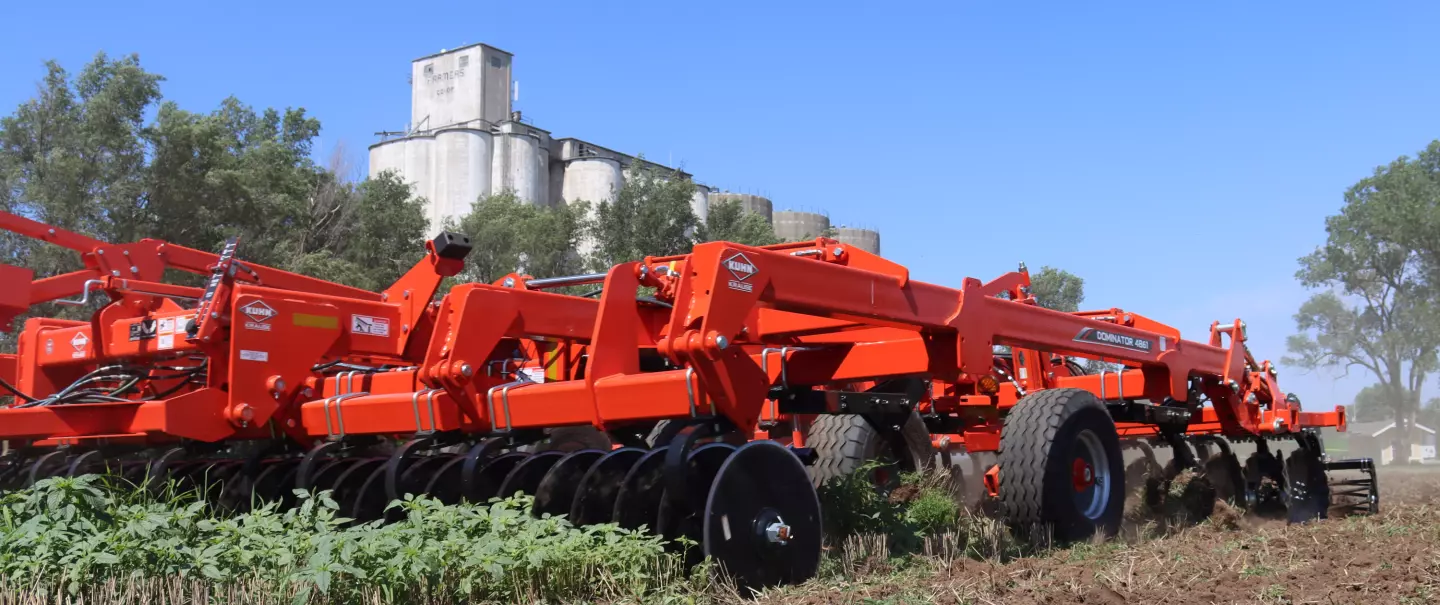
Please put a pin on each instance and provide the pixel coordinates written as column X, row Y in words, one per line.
column 73, row 534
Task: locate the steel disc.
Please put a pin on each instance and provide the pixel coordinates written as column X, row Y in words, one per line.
column 347, row 487
column 236, row 495
column 445, row 485
column 763, row 486
column 157, row 474
column 491, row 474
column 419, row 473
column 86, row 463
column 478, row 455
column 217, row 477
column 330, row 471
column 526, row 476
column 684, row 515
column 269, row 485
column 372, row 499
column 556, row 492
column 638, row 502
column 595, row 495
column 47, row 466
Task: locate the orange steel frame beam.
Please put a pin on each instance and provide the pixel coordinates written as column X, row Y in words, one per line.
column 745, row 320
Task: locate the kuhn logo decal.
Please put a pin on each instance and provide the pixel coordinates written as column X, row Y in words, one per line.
column 742, row 270
column 259, row 313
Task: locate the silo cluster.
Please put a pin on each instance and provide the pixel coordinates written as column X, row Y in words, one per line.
column 464, row 142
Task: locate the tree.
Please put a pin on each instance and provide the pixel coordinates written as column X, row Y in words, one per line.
column 1057, row 289
column 1369, row 405
column 728, row 221
column 650, row 216
column 510, row 235
column 1378, row 308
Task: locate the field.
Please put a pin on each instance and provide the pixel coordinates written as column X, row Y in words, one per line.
column 1391, row 558
column 913, row 547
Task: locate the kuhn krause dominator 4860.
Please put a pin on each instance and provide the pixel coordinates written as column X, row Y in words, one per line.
column 688, row 394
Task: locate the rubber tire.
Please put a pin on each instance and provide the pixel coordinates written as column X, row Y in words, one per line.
column 1036, row 488
column 845, row 442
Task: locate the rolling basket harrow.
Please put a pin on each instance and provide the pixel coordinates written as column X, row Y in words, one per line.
column 703, row 395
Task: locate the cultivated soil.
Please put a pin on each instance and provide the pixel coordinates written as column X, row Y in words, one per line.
column 1393, row 557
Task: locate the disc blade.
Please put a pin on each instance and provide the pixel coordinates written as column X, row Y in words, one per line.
column 759, row 487
column 526, row 476
column 683, row 516
column 556, row 492
column 638, row 502
column 595, row 495
column 445, row 485
column 491, row 474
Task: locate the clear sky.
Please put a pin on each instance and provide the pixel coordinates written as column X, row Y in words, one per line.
column 1178, row 156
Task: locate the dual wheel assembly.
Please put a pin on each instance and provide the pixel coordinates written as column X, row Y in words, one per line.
column 1062, row 470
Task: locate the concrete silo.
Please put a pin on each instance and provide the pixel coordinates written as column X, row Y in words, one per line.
column 794, row 226
column 864, row 239
column 462, row 171
column 753, row 204
column 522, row 162
column 592, row 179
column 700, row 203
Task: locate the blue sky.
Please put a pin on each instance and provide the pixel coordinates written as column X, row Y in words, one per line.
column 1179, row 158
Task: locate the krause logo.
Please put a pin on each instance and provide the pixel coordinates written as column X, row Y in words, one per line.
column 259, row 314
column 742, row 270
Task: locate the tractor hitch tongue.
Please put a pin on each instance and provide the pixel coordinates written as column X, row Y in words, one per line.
column 709, row 410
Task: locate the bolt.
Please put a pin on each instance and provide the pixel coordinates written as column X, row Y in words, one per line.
column 721, row 342
column 125, row 252
column 100, row 252
column 405, row 329
column 839, row 251
column 509, row 282
column 214, row 315
column 1278, row 424
column 407, row 295
column 308, row 392
column 1234, row 386
column 466, row 370
column 384, row 297
column 290, row 422
column 778, row 533
column 134, row 270
column 52, row 232
column 280, row 385
column 115, row 273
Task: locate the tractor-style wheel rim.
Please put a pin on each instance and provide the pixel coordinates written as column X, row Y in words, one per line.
column 1090, row 476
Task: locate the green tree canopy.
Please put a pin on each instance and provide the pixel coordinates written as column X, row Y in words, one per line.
column 1057, row 289
column 650, row 216
column 729, row 222
column 510, row 235
column 1377, row 311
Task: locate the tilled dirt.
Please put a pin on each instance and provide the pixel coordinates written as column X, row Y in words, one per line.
column 1393, row 557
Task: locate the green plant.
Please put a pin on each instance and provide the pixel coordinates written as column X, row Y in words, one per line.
column 76, row 533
